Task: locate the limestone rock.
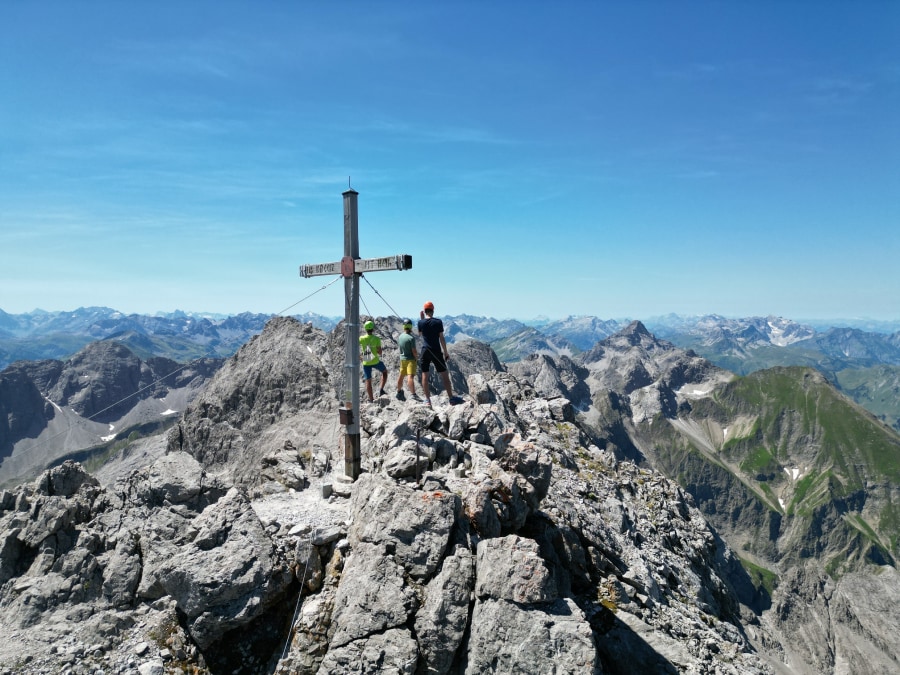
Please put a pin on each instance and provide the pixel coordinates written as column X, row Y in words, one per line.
column 416, row 524
column 511, row 568
column 441, row 620
column 551, row 638
column 372, row 596
column 223, row 577
column 393, row 651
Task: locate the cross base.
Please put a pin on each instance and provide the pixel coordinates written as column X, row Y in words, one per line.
column 352, row 456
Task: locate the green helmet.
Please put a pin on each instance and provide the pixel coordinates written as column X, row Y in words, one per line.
column 369, row 325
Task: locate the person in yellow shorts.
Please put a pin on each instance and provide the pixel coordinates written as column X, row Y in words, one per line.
column 408, row 357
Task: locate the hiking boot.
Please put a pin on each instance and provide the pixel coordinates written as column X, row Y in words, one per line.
column 416, row 397
column 401, row 396
column 455, row 400
column 428, row 402
column 382, row 393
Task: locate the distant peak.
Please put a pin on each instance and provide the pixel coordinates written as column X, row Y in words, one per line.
column 636, row 329
column 635, row 334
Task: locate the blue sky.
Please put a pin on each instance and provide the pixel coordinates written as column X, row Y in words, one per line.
column 617, row 159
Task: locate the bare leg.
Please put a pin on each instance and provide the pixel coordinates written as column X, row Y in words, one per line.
column 445, row 377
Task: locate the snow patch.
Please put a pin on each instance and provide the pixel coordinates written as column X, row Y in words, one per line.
column 781, row 501
column 47, row 398
column 693, row 390
column 169, row 412
column 793, row 473
column 777, row 335
column 107, row 439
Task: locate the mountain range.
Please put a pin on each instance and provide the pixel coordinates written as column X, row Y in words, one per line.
column 630, row 508
column 747, row 341
column 861, row 358
column 177, row 335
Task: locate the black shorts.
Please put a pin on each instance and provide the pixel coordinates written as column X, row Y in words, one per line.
column 428, row 357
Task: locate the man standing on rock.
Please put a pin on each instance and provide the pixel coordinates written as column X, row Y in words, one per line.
column 370, row 346
column 434, row 350
column 408, row 356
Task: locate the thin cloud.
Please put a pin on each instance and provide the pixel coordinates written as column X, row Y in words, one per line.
column 692, row 72
column 699, row 174
column 194, row 57
column 428, row 134
column 832, row 90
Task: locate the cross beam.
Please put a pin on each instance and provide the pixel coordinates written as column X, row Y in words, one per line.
column 351, row 267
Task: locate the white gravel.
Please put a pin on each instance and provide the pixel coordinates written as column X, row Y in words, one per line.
column 306, row 509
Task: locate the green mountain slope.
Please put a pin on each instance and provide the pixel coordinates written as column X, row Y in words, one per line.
column 869, row 375
column 877, row 389
column 787, row 464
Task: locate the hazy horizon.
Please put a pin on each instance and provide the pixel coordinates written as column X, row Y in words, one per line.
column 886, row 324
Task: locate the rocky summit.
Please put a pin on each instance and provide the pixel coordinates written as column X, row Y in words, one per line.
column 499, row 535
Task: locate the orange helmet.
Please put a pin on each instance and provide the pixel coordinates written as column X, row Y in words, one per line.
column 429, row 305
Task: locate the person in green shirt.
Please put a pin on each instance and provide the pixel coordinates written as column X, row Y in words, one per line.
column 408, row 355
column 370, row 348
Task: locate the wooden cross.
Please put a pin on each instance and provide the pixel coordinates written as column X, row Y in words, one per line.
column 351, row 268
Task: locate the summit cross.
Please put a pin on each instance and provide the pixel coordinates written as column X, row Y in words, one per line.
column 351, row 267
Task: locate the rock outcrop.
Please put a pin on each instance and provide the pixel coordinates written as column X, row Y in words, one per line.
column 273, row 394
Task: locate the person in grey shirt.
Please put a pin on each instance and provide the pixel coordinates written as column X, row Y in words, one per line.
column 408, row 356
